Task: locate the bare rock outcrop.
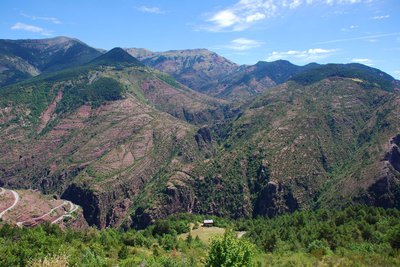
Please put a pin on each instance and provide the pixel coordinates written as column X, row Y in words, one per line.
column 275, row 199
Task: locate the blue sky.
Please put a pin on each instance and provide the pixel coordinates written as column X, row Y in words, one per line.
column 244, row 31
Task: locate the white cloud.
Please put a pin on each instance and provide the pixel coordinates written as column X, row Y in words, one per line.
column 302, row 56
column 225, row 18
column 241, row 15
column 381, row 17
column 30, row 28
column 245, row 13
column 365, row 61
column 241, row 44
column 151, row 9
column 50, row 19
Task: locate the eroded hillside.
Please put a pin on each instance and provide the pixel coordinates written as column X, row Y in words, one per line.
column 130, row 144
column 98, row 135
column 298, row 147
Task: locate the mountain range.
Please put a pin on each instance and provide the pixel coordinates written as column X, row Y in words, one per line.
column 132, row 135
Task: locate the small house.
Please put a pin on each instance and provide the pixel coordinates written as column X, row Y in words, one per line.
column 208, row 223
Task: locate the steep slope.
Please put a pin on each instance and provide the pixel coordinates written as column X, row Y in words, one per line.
column 199, row 69
column 295, row 147
column 98, row 134
column 22, row 59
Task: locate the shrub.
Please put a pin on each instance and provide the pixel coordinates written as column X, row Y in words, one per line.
column 395, row 238
column 50, row 261
column 319, row 248
column 229, row 251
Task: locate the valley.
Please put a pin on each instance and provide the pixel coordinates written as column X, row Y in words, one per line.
column 147, row 143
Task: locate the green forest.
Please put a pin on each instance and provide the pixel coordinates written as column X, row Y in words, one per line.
column 355, row 236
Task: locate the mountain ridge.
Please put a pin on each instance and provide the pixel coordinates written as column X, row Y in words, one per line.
column 40, row 56
column 239, row 82
column 196, row 68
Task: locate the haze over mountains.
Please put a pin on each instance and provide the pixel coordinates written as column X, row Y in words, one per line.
column 131, row 139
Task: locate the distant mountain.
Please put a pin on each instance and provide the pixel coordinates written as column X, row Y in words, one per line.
column 251, row 80
column 370, row 76
column 139, row 53
column 116, row 56
column 209, row 73
column 199, row 69
column 279, row 71
column 22, row 59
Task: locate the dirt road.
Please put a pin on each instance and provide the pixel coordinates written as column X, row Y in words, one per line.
column 16, row 200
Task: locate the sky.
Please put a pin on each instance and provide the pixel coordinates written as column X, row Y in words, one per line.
column 244, row 31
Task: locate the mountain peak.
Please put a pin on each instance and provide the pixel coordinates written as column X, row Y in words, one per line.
column 281, row 62
column 64, row 39
column 115, row 56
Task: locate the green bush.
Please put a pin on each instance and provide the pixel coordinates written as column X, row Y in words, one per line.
column 394, row 238
column 229, row 251
column 319, row 248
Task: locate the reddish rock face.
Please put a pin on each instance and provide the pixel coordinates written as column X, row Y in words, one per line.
column 46, row 116
column 99, row 158
column 198, row 69
column 111, row 151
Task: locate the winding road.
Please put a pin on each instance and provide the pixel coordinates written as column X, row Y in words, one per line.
column 20, row 224
column 72, row 209
column 16, row 197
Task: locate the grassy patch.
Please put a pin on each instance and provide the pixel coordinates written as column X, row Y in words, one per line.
column 204, row 233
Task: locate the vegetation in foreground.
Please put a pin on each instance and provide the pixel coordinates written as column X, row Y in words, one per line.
column 355, row 236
